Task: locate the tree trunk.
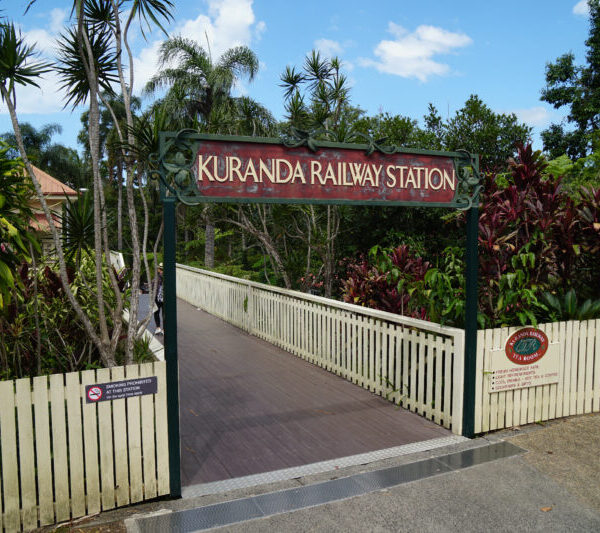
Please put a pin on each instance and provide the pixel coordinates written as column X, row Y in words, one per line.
column 120, row 206
column 137, row 251
column 265, row 240
column 209, row 246
column 38, row 336
column 333, row 226
column 209, row 238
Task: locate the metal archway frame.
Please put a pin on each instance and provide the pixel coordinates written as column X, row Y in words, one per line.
column 176, row 168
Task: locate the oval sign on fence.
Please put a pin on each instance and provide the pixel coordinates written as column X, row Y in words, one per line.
column 526, row 346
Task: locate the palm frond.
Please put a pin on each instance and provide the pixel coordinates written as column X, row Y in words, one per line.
column 71, row 69
column 17, row 65
column 291, row 81
column 153, row 11
column 240, row 61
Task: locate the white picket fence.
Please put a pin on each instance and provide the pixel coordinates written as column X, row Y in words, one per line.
column 577, row 391
column 63, row 458
column 413, row 363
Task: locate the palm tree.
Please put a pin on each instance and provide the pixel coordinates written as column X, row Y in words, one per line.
column 201, row 88
column 201, row 85
column 91, row 64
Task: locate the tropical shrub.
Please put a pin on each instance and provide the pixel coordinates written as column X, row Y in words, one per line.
column 538, row 246
column 41, row 334
column 16, row 242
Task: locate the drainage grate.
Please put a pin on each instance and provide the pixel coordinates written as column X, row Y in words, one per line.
column 320, row 493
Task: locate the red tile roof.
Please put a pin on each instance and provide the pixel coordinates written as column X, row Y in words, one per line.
column 51, row 186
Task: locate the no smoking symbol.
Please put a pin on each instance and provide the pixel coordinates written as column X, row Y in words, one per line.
column 94, row 394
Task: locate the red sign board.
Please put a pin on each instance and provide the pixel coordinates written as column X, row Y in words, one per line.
column 253, row 171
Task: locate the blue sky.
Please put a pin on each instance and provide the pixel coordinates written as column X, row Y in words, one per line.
column 399, row 55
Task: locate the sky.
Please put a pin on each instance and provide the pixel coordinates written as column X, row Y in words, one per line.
column 399, row 55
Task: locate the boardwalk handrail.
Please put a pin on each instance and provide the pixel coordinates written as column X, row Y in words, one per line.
column 413, row 363
column 375, row 313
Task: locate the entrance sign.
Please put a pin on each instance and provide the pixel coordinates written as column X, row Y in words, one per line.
column 194, row 168
column 527, row 360
column 251, row 171
column 116, row 390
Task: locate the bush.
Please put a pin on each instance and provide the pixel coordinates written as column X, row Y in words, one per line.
column 42, row 335
column 536, row 244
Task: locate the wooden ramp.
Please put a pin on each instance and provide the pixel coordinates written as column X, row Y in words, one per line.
column 249, row 407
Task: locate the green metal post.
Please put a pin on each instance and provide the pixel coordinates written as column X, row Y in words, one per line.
column 471, row 305
column 170, row 298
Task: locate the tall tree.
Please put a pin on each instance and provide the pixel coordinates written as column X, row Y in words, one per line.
column 92, row 60
column 478, row 129
column 197, row 84
column 112, row 107
column 576, row 87
column 199, row 95
column 317, row 99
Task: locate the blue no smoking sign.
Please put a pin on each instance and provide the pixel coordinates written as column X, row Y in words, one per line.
column 118, row 390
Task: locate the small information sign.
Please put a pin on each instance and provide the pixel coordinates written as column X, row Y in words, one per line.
column 527, row 360
column 117, row 390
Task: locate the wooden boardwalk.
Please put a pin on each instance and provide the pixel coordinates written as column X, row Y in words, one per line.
column 248, row 407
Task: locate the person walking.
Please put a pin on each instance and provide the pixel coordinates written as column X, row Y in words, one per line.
column 158, row 300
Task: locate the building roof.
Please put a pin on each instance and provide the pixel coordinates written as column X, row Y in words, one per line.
column 40, row 223
column 51, row 186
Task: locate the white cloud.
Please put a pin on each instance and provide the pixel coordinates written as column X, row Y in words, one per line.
column 537, row 116
column 145, row 65
column 57, row 20
column 47, row 99
column 44, row 41
column 328, row 47
column 581, row 8
column 410, row 55
column 229, row 23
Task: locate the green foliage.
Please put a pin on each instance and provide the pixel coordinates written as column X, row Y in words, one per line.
column 234, row 270
column 395, row 129
column 566, row 307
column 63, row 343
column 476, row 128
column 576, row 87
column 17, row 66
column 443, row 288
column 15, row 217
column 71, row 68
column 317, row 98
column 518, row 297
column 560, row 166
column 534, row 242
column 580, row 173
column 199, row 89
column 78, row 228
